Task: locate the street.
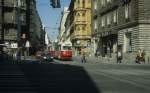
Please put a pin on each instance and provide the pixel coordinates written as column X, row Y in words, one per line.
column 74, row 46
column 74, row 77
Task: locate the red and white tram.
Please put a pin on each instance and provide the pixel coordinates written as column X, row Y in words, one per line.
column 64, row 51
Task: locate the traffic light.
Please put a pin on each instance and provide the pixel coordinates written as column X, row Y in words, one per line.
column 55, row 3
column 126, row 1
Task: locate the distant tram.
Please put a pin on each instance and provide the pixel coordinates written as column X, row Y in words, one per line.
column 64, row 51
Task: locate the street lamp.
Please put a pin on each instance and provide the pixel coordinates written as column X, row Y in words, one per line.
column 146, row 48
column 27, row 45
column 18, row 28
column 2, row 32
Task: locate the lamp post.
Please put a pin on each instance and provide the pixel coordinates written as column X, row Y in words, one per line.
column 2, row 32
column 27, row 45
column 146, row 48
column 18, row 20
column 18, row 28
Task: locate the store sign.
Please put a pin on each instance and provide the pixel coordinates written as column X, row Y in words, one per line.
column 106, row 34
column 13, row 45
column 23, row 36
column 27, row 44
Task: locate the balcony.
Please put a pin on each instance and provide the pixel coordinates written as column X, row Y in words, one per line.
column 0, row 18
column 9, row 17
column 10, row 3
column 13, row 4
column 10, row 34
column 95, row 14
column 78, row 22
column 77, row 36
column 80, row 9
column 9, row 37
column 109, row 7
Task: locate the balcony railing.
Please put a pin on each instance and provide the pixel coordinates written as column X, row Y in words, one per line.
column 10, row 37
column 13, row 4
column 10, row 3
column 80, row 8
column 77, row 36
column 80, row 22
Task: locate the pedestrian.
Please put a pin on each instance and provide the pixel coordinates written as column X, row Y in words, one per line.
column 139, row 56
column 119, row 57
column 143, row 56
column 83, row 58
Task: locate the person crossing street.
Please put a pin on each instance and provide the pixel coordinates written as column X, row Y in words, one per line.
column 83, row 58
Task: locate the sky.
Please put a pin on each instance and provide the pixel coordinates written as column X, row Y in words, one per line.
column 50, row 16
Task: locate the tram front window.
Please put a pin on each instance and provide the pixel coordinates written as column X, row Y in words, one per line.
column 67, row 48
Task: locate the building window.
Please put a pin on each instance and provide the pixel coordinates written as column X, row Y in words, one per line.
column 78, row 28
column 13, row 18
column 22, row 3
column 108, row 1
column 83, row 14
column 103, row 21
column 103, row 2
column 6, row 31
column 14, row 3
column 95, row 24
column 83, row 2
column 78, row 16
column 83, row 27
column 108, row 19
column 78, row 1
column 95, row 5
column 115, row 16
column 128, row 42
column 127, row 11
column 23, row 18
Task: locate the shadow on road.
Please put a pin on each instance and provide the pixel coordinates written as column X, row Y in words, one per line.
column 59, row 78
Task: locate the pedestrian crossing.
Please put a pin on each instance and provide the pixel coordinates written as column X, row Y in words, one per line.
column 14, row 83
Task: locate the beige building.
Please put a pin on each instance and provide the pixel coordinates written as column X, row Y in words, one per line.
column 62, row 34
column 123, row 25
column 80, row 33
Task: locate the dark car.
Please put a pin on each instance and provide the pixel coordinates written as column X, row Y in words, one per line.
column 47, row 58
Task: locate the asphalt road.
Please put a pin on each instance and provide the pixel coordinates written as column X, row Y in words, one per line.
column 75, row 77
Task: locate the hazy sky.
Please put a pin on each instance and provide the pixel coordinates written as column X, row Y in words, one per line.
column 50, row 16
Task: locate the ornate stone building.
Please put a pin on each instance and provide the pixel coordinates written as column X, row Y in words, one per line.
column 80, row 33
column 19, row 22
column 124, row 24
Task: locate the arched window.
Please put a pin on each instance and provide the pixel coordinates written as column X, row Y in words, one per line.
column 83, row 14
column 83, row 2
column 78, row 1
column 78, row 28
column 77, row 14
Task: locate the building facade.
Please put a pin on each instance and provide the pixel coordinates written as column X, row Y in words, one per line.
column 13, row 24
column 16, row 23
column 80, row 33
column 94, row 29
column 62, row 35
column 36, row 29
column 124, row 25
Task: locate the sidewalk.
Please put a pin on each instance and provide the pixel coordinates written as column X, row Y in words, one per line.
column 92, row 59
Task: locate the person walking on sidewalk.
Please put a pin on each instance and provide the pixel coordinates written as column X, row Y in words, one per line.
column 143, row 56
column 83, row 58
column 119, row 57
column 140, row 56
